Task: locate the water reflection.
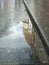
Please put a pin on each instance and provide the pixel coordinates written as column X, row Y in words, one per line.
column 27, row 30
column 10, row 14
column 14, row 49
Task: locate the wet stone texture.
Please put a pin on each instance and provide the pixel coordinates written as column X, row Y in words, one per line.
column 14, row 48
column 15, row 56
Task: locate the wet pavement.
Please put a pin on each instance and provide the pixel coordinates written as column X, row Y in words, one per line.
column 14, row 49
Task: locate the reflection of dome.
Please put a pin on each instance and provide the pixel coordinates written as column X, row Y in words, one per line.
column 27, row 30
column 27, row 26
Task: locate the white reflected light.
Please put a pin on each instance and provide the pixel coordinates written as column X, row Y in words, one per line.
column 16, row 31
column 13, row 29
